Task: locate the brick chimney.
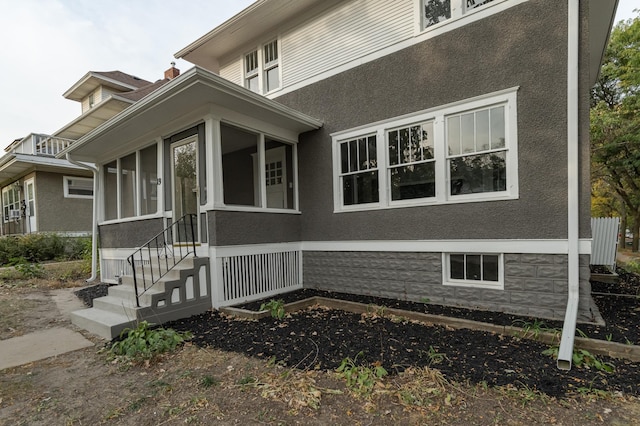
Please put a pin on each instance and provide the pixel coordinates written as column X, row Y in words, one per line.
column 172, row 72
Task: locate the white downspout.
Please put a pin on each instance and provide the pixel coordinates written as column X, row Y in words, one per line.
column 565, row 352
column 94, row 231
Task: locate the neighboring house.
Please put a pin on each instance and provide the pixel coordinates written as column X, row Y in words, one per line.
column 417, row 149
column 41, row 193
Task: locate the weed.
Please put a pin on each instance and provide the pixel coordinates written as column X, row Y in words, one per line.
column 423, row 385
column 208, row 381
column 583, row 358
column 524, row 393
column 434, row 356
column 275, row 307
column 425, row 300
column 361, row 379
column 581, row 333
column 30, row 270
column 533, row 329
column 627, row 341
column 247, row 380
column 609, row 337
column 144, row 342
column 593, row 392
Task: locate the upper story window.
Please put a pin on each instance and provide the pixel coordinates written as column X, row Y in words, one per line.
column 436, row 11
column 463, row 152
column 262, row 69
column 92, row 100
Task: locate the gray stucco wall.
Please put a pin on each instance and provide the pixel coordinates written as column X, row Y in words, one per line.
column 129, row 234
column 232, row 228
column 525, row 46
column 535, row 285
column 54, row 212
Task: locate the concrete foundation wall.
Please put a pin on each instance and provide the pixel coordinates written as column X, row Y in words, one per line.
column 535, row 285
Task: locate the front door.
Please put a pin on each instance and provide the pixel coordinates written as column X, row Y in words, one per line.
column 184, row 165
column 30, row 204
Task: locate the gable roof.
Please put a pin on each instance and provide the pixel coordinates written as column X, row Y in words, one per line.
column 117, row 80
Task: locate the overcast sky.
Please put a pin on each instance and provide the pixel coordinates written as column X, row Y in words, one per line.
column 48, row 45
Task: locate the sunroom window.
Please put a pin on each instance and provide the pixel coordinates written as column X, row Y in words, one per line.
column 359, row 171
column 477, row 152
column 10, row 201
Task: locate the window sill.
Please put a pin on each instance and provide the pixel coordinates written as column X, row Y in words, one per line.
column 492, row 285
column 253, row 209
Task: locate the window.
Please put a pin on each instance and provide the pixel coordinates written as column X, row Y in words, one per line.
column 130, row 185
column 473, row 269
column 411, row 162
column 245, row 182
column 359, row 171
column 462, row 152
column 436, row 11
column 10, row 202
column 92, row 99
column 262, row 69
column 476, row 151
column 78, row 187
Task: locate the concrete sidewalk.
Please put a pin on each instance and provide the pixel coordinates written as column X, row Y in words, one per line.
column 47, row 342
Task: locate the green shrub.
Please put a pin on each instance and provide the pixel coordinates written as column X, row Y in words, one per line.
column 275, row 307
column 143, row 342
column 30, row 270
column 42, row 247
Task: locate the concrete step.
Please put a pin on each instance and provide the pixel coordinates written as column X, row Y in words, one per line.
column 117, row 305
column 102, row 323
column 127, row 293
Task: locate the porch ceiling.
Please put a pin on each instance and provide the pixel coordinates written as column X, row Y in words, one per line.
column 16, row 165
column 194, row 90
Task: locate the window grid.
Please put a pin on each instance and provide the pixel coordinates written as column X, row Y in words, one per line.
column 437, row 11
column 10, row 200
column 474, row 268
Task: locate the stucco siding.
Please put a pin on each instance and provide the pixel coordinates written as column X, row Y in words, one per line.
column 55, row 212
column 129, row 234
column 233, row 228
column 525, row 46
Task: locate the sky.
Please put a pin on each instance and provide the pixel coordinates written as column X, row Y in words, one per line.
column 48, row 45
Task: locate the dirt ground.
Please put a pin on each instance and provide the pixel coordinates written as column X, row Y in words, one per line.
column 209, row 386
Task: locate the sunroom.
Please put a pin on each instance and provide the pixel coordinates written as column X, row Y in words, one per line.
column 218, row 157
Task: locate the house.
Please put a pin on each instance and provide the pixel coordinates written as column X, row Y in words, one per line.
column 414, row 149
column 38, row 190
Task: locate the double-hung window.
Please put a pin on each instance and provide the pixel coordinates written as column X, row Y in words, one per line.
column 462, row 152
column 262, row 68
column 10, row 202
column 359, row 170
column 436, row 11
column 476, row 151
column 77, row 187
column 411, row 162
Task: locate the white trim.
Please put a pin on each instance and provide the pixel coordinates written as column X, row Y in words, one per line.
column 131, row 219
column 448, row 281
column 237, row 208
column 506, row 98
column 462, row 246
column 65, row 183
column 249, row 249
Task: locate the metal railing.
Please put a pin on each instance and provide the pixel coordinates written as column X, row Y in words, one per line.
column 162, row 253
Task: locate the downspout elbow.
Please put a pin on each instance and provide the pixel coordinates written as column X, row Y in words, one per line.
column 94, row 230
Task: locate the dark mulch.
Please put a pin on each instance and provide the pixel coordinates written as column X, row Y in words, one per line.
column 322, row 338
column 87, row 294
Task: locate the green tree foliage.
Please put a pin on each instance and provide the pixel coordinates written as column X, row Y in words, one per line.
column 615, row 123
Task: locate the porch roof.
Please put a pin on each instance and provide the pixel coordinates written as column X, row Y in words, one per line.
column 194, row 90
column 13, row 166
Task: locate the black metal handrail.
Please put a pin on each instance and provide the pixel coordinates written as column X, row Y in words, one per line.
column 163, row 247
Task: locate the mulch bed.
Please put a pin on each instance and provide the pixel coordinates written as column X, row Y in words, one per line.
column 321, row 338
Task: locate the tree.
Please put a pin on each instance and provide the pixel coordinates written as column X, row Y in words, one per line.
column 615, row 124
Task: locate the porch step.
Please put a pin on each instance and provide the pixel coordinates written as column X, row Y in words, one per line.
column 102, row 323
column 176, row 295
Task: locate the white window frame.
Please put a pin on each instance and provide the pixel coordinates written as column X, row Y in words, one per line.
column 448, row 281
column 460, row 15
column 262, row 67
column 10, row 206
column 137, row 185
column 438, row 115
column 65, row 182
